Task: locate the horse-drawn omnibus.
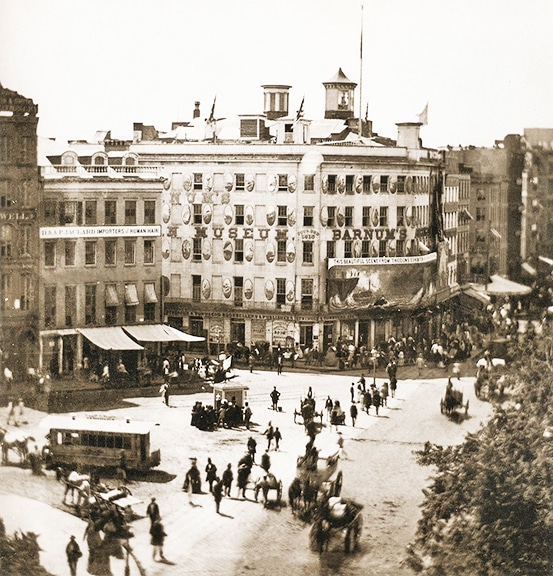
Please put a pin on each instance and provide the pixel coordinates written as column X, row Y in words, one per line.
column 99, row 442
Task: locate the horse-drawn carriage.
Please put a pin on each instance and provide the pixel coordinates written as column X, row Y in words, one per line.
column 307, row 412
column 336, row 515
column 490, row 378
column 253, row 477
column 453, row 400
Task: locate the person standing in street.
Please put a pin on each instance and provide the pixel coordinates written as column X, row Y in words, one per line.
column 252, row 447
column 275, row 395
column 278, row 437
column 266, row 461
column 328, row 407
column 157, row 533
column 73, row 553
column 247, row 415
column 152, row 511
column 211, row 474
column 217, row 493
column 280, row 361
column 353, row 413
column 270, row 433
column 227, row 479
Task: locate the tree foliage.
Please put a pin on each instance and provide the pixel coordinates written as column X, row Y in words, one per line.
column 20, row 554
column 489, row 509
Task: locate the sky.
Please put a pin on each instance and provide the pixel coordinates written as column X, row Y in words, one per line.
column 484, row 67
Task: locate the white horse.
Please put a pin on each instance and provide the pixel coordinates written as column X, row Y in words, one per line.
column 17, row 442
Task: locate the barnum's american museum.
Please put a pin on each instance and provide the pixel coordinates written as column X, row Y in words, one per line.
column 272, row 227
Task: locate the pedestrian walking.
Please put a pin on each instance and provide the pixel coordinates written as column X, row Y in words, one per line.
column 210, row 474
column 251, row 361
column 393, row 387
column 162, row 390
column 420, row 364
column 275, row 395
column 384, row 392
column 227, row 479
column 270, row 433
column 73, row 553
column 328, row 407
column 247, row 415
column 456, row 369
column 280, row 361
column 152, row 511
column 166, row 393
column 278, row 437
column 157, row 534
column 217, row 493
column 376, row 398
column 353, row 413
column 252, row 447
column 11, row 412
column 352, row 392
column 266, row 461
column 310, row 392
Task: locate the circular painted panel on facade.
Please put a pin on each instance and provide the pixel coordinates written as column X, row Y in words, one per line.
column 206, row 289
column 359, row 183
column 290, row 291
column 375, row 184
column 391, row 248
column 227, row 250
column 290, row 252
column 208, row 182
column 375, row 218
column 248, row 289
column 292, row 183
column 271, row 215
column 408, row 216
column 227, row 287
column 187, row 182
column 374, row 248
column 409, row 185
column 270, row 252
column 206, row 209
column 250, row 182
column 249, row 215
column 248, row 250
column 186, row 214
column 292, row 217
column 186, row 249
column 324, row 216
column 356, row 248
column 166, row 248
column 229, row 181
column 271, row 183
column 191, row 196
column 166, row 213
column 269, row 289
column 341, row 184
column 340, row 216
column 166, row 180
column 206, row 249
column 228, row 214
column 324, row 184
column 392, row 184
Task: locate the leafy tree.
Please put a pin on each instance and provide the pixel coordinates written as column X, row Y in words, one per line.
column 489, row 509
column 19, row 554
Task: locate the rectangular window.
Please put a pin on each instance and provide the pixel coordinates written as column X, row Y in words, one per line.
column 282, row 182
column 130, row 314
column 197, row 249
column 309, row 183
column 25, row 240
column 382, row 246
column 281, row 250
column 308, row 215
column 384, row 183
column 281, row 290
column 196, row 288
column 50, row 306
column 400, row 215
column 238, row 291
column 90, row 303
column 50, row 253
column 90, row 213
column 349, row 184
column 130, row 251
column 130, row 212
column 70, row 213
column 110, row 252
column 282, row 216
column 70, row 305
column 50, row 211
column 330, row 249
column 198, row 181
column 197, row 218
column 480, row 214
column 26, row 291
column 366, row 217
column 239, row 214
column 110, row 212
column 239, row 179
column 401, row 184
column 69, row 252
column 331, row 216
column 307, row 294
column 365, row 248
column 90, row 253
column 149, row 251
column 348, row 221
column 149, row 212
column 307, row 252
column 400, row 247
column 348, row 249
column 383, row 216
column 239, row 250
column 366, row 184
column 331, row 183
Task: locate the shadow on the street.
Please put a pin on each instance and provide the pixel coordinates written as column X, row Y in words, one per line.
column 156, row 476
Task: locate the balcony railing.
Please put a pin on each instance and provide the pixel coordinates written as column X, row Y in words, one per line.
column 55, row 171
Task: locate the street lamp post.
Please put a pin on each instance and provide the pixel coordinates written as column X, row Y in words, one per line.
column 374, row 356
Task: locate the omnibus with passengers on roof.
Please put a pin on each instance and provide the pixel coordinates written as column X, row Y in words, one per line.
column 99, row 442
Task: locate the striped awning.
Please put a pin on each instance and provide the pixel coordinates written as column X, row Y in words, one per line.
column 110, row 338
column 131, row 295
column 160, row 333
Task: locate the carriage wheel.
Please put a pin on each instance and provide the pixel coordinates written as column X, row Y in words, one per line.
column 279, row 492
column 467, row 408
column 337, row 486
column 313, row 544
column 442, row 406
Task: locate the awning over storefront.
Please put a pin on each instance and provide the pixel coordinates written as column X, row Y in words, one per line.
column 110, row 338
column 159, row 333
column 60, row 332
column 499, row 286
column 473, row 297
column 112, row 298
column 131, row 295
column 150, row 296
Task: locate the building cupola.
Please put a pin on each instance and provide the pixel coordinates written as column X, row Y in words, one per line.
column 276, row 99
column 339, row 96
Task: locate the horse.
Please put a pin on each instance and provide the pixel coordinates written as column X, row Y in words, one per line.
column 295, row 494
column 17, row 442
column 74, row 482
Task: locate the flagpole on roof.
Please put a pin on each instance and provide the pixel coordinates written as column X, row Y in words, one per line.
column 360, row 129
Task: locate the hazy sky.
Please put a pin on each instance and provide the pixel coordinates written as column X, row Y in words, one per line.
column 484, row 66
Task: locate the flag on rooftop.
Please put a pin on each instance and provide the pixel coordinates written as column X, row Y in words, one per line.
column 423, row 116
column 299, row 113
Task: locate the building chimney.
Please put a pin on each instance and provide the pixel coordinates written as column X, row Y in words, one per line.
column 408, row 135
column 196, row 113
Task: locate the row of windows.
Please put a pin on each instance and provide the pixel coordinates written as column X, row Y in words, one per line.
column 16, row 291
column 351, row 184
column 18, row 148
column 110, row 252
column 17, row 194
column 94, row 439
column 92, row 212
column 15, row 241
column 112, row 305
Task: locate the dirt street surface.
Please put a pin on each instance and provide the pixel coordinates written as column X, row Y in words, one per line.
column 379, row 471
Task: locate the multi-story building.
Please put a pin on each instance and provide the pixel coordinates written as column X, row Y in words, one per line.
column 19, row 198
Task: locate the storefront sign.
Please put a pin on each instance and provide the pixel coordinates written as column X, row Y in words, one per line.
column 98, row 231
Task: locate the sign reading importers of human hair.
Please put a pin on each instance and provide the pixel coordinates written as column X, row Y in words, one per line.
column 98, row 231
